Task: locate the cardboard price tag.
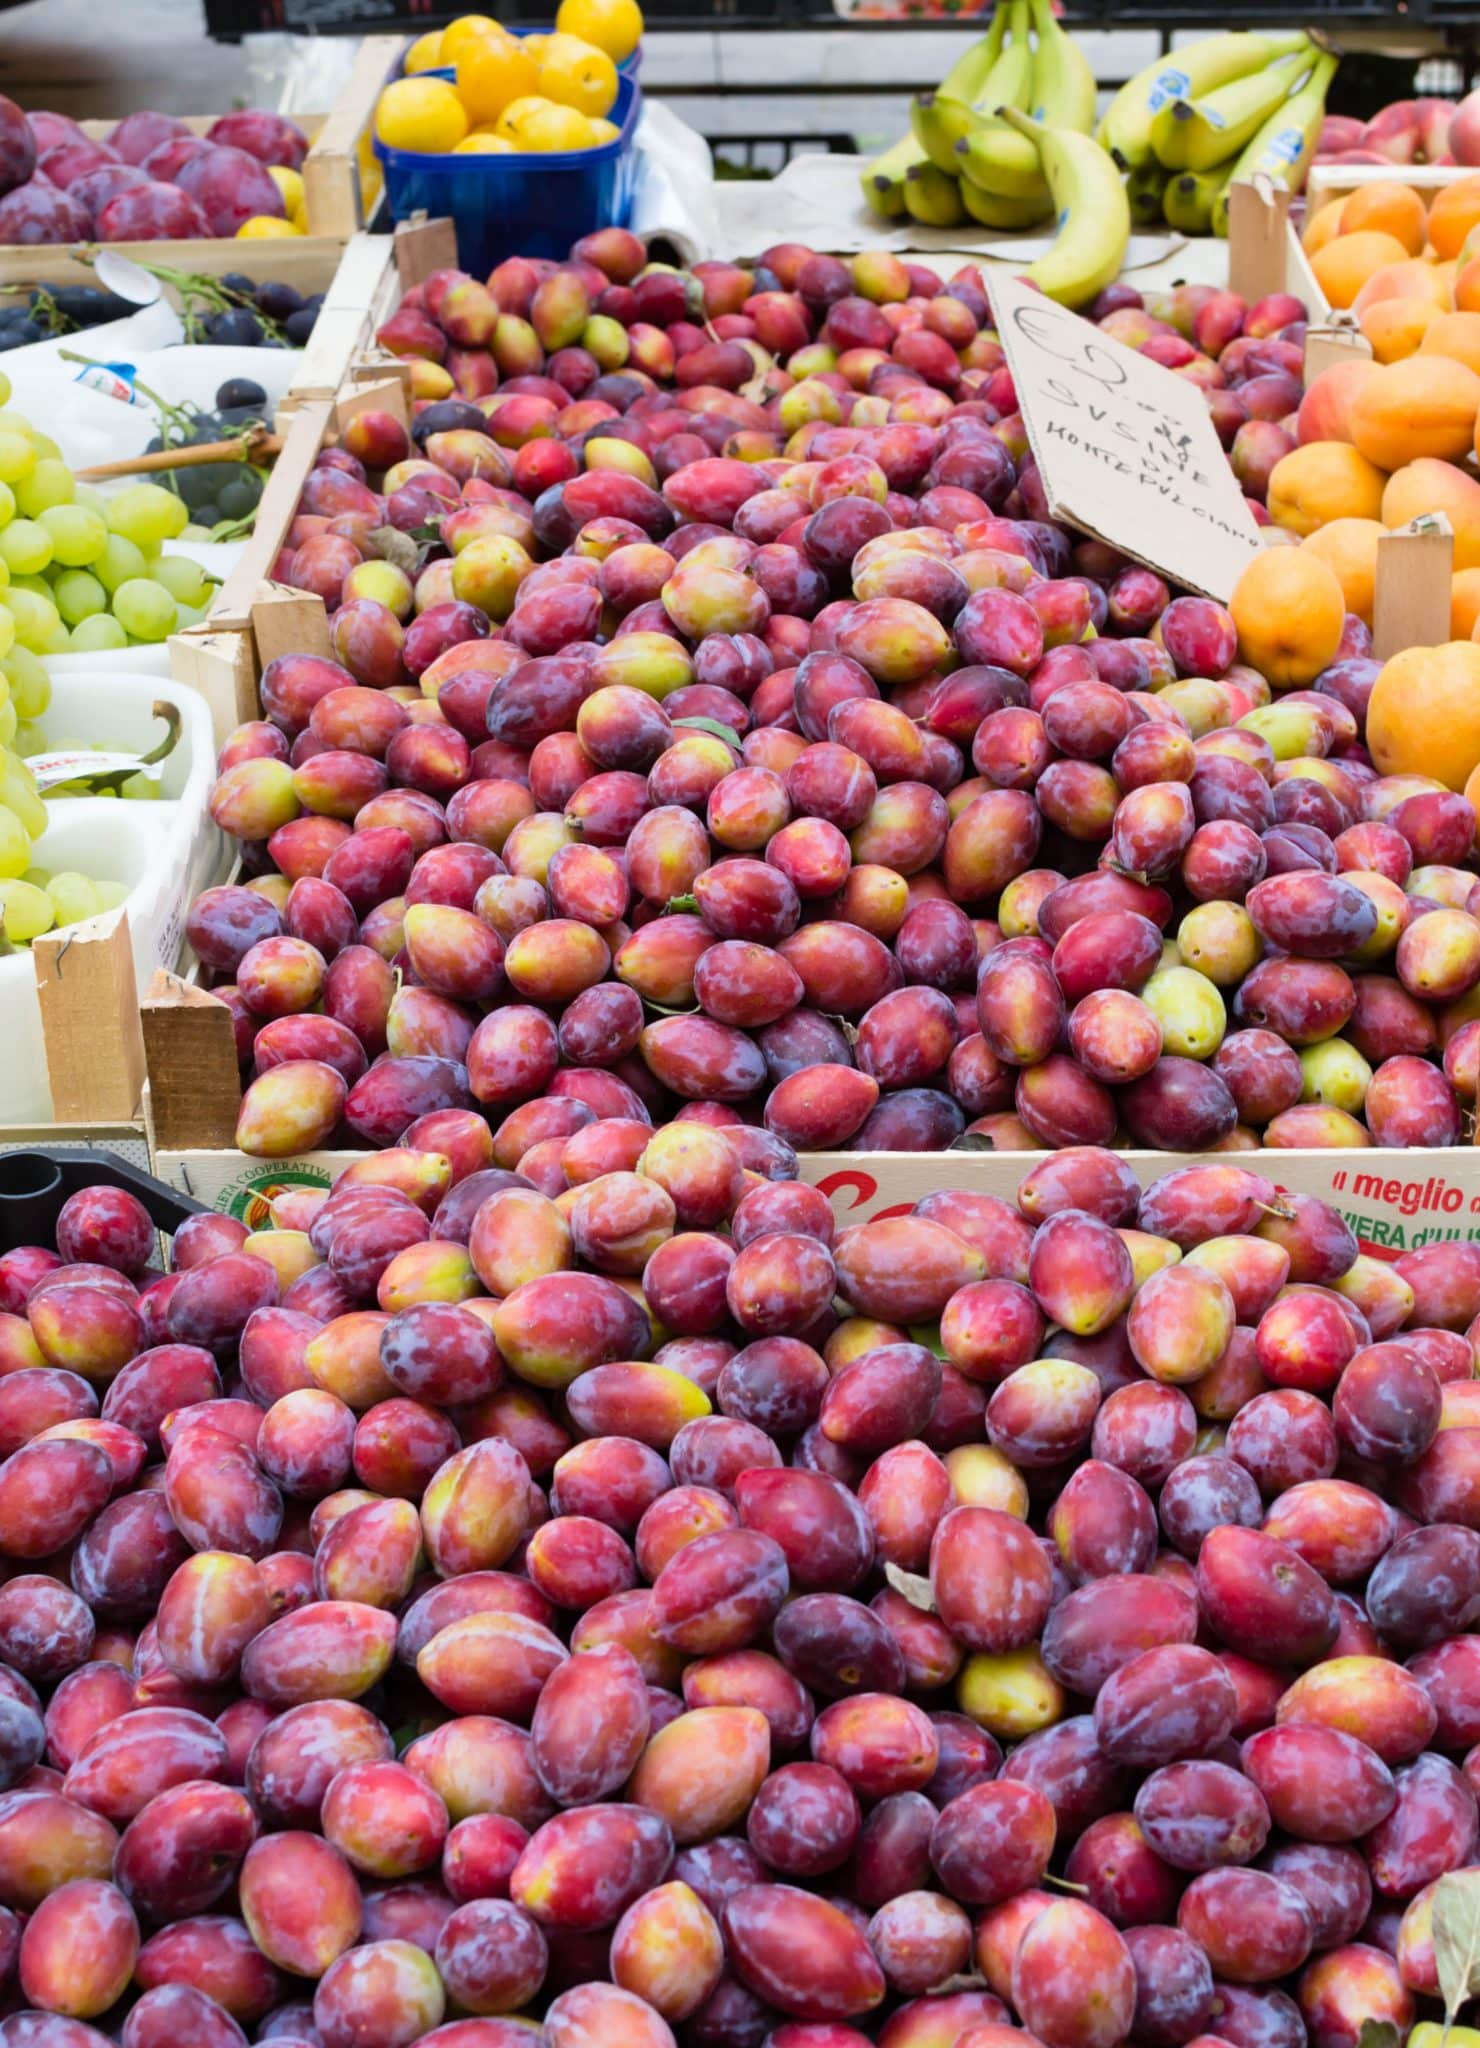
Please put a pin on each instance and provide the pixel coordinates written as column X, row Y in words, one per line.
column 1126, row 450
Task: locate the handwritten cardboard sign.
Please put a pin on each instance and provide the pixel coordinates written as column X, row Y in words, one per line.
column 1126, row 450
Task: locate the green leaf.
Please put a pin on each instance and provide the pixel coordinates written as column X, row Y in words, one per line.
column 1379, row 2034
column 911, row 1586
column 727, row 733
column 391, row 545
column 1456, row 1922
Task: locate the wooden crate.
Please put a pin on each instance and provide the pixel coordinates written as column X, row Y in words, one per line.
column 362, row 292
column 1338, row 181
column 335, row 195
column 225, row 662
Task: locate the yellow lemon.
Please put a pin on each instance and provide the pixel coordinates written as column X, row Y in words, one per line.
column 290, row 184
column 421, row 114
column 612, row 25
column 578, row 75
column 603, row 131
column 483, row 142
column 425, row 53
column 554, row 129
column 468, row 28
column 491, row 73
column 263, row 227
column 535, row 45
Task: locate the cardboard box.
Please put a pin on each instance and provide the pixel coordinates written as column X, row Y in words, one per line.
column 1394, row 1201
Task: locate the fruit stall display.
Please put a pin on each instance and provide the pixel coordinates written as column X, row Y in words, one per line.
column 626, row 772
column 444, row 1614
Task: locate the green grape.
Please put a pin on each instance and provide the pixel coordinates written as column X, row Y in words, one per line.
column 98, row 633
column 49, row 483
column 17, row 457
column 4, row 389
column 185, row 580
column 15, row 844
column 7, row 631
column 4, row 575
column 7, row 504
column 36, row 619
column 30, row 685
column 27, row 911
column 73, row 897
column 19, row 794
column 145, row 610
column 25, row 547
column 110, row 894
column 9, row 724
column 147, row 514
column 77, row 535
column 90, row 497
column 58, row 641
column 37, row 585
column 78, row 596
column 119, row 561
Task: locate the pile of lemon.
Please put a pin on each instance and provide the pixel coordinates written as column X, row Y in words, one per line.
column 511, row 93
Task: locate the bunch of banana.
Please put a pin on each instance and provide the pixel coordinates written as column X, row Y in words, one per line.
column 1223, row 110
column 1282, row 149
column 962, row 158
column 1202, row 68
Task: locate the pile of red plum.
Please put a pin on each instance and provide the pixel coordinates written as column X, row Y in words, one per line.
column 657, row 1616
column 722, row 739
column 153, row 178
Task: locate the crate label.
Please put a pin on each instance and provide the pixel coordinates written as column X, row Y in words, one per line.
column 1394, row 1202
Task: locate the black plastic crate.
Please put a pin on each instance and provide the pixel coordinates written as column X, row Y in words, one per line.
column 35, row 1184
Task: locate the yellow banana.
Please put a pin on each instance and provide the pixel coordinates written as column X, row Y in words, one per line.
column 1063, row 77
column 1185, row 74
column 996, row 159
column 938, row 118
column 1286, row 143
column 1011, row 81
column 883, row 179
column 1187, row 203
column 1145, row 189
column 1008, row 216
column 1094, row 214
column 1194, row 135
column 931, row 197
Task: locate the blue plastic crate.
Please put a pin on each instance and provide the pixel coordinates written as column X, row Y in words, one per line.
column 534, row 205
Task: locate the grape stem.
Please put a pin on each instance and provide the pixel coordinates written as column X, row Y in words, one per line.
column 195, row 285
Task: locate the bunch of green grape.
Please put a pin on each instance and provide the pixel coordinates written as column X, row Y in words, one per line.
column 33, row 901
column 81, row 573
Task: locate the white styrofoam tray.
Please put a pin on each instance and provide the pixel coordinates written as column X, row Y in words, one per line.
column 166, row 850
